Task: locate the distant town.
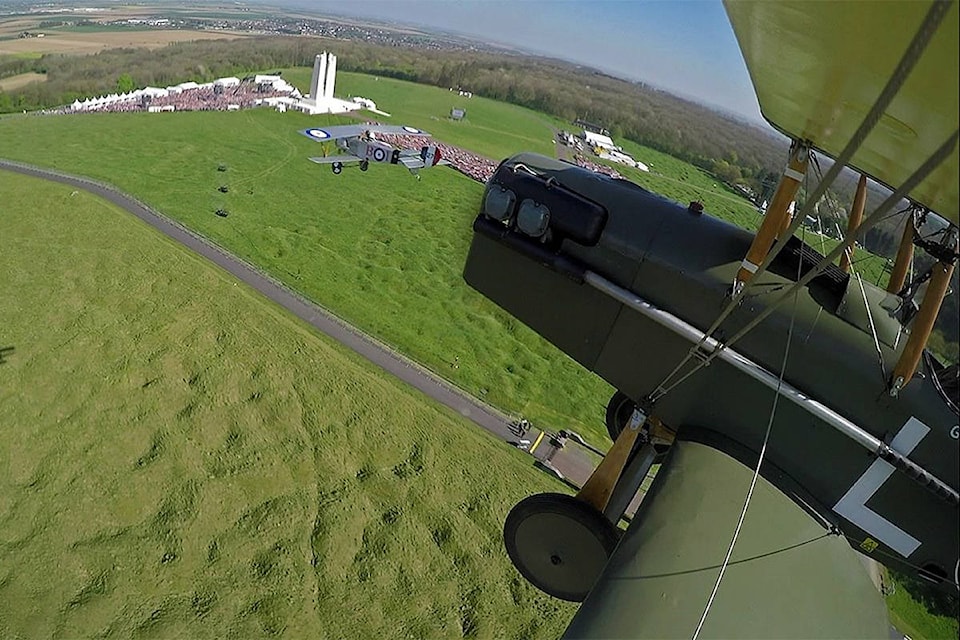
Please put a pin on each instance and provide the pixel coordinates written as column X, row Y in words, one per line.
column 273, row 26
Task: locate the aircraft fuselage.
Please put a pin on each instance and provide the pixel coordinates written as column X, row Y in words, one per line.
column 681, row 264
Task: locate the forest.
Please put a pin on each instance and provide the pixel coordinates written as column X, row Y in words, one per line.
column 734, row 151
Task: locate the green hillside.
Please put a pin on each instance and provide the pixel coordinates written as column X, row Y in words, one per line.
column 183, row 459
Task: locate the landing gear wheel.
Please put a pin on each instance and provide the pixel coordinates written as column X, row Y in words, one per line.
column 619, row 410
column 337, row 167
column 364, row 165
column 559, row 544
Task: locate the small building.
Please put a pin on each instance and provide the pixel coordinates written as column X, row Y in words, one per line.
column 594, row 140
column 366, row 103
column 227, row 82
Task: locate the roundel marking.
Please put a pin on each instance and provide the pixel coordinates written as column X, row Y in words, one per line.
column 379, row 154
column 411, row 130
column 319, row 134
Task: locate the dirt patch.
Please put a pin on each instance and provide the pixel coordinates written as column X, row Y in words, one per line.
column 15, row 82
column 67, row 42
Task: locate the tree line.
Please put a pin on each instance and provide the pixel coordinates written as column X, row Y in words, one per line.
column 635, row 111
column 734, row 151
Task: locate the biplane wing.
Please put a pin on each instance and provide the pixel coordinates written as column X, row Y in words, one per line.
column 343, row 132
column 412, row 162
column 638, row 290
column 818, row 67
column 789, row 575
column 334, row 159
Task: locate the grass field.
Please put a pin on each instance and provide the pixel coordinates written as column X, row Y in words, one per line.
column 913, row 619
column 182, row 459
column 382, row 250
column 492, row 129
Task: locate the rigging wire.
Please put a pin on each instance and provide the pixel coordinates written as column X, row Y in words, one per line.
column 759, row 556
column 873, row 328
column 756, row 471
column 916, row 178
column 918, row 44
column 858, row 543
column 850, row 252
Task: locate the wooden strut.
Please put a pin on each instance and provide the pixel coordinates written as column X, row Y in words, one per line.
column 856, row 217
column 599, row 487
column 898, row 277
column 777, row 218
column 923, row 324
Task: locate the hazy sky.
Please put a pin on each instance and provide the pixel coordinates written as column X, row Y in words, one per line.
column 684, row 46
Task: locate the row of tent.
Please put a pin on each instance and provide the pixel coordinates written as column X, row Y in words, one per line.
column 278, row 84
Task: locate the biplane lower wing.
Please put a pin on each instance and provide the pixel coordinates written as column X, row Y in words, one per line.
column 335, row 159
column 789, row 576
column 412, row 163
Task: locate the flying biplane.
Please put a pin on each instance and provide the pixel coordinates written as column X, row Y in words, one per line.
column 794, row 406
column 359, row 145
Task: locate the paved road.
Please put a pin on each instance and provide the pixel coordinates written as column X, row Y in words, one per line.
column 577, row 469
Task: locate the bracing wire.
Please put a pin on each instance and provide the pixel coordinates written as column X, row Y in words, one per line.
column 918, row 176
column 918, row 44
column 873, row 328
column 756, row 473
column 759, row 556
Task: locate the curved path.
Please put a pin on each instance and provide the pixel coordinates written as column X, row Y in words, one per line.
column 577, row 470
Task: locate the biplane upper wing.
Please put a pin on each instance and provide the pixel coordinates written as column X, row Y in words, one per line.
column 818, row 68
column 789, row 575
column 342, row 132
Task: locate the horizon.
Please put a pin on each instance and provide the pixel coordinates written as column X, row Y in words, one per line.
column 686, row 48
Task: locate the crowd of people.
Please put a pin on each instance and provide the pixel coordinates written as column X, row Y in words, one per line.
column 246, row 95
column 466, row 162
column 243, row 96
column 471, row 164
column 202, row 98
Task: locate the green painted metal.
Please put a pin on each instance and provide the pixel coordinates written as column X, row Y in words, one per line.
column 818, row 67
column 790, row 577
column 683, row 263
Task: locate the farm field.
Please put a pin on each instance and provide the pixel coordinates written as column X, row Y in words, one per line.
column 184, row 459
column 82, row 41
column 380, row 249
column 21, row 80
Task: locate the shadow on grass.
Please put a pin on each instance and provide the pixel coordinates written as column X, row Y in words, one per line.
column 4, row 353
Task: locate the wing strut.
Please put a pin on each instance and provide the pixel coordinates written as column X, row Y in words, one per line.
column 856, row 217
column 914, row 51
column 918, row 176
column 904, row 257
column 929, row 308
column 777, row 216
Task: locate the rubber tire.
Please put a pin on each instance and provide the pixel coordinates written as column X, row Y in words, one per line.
column 364, row 165
column 337, row 168
column 619, row 409
column 542, row 531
